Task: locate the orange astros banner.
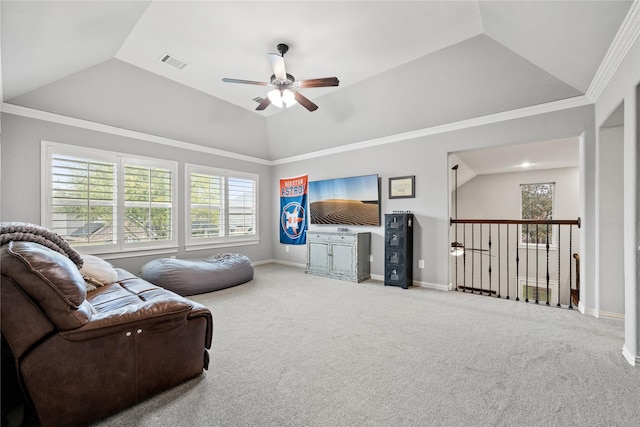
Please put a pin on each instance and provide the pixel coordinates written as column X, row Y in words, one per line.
column 293, row 210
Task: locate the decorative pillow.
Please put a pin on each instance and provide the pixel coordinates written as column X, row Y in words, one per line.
column 97, row 272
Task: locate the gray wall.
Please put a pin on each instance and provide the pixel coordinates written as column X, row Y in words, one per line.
column 118, row 94
column 386, row 104
column 610, row 238
column 624, row 88
column 498, row 195
column 21, row 174
column 426, row 158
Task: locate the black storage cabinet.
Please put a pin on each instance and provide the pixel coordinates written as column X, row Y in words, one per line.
column 398, row 249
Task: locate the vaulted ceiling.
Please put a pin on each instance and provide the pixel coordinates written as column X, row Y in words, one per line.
column 424, row 62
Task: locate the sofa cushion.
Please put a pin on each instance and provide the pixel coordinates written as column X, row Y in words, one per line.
column 51, row 279
column 97, row 271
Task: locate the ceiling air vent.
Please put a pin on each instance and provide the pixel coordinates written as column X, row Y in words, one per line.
column 173, row 61
column 258, row 99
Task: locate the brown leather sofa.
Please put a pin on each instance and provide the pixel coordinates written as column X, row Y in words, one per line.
column 84, row 356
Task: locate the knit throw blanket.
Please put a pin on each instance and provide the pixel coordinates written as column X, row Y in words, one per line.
column 26, row 232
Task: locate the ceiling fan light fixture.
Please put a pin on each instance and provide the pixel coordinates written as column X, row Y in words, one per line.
column 282, row 98
column 457, row 251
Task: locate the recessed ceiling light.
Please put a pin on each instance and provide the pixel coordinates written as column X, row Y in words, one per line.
column 525, row 164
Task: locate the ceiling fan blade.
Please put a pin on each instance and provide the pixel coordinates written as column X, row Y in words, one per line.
column 322, row 82
column 479, row 251
column 264, row 104
column 461, row 246
column 305, row 102
column 246, row 82
column 277, row 63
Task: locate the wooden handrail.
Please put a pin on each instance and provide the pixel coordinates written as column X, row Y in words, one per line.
column 517, row 221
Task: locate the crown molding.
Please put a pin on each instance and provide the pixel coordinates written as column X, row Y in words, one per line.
column 550, row 107
column 622, row 43
column 19, row 110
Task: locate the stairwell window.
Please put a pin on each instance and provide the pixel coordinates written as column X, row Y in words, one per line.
column 537, row 203
column 222, row 208
column 108, row 202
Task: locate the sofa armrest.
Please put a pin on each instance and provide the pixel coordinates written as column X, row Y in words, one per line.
column 200, row 310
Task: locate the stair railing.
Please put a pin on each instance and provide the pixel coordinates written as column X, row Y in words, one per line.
column 526, row 260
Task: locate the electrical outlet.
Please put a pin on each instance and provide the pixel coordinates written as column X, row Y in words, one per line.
column 370, row 258
column 286, row 248
column 420, row 263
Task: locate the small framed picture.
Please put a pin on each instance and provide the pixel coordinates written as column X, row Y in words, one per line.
column 402, row 187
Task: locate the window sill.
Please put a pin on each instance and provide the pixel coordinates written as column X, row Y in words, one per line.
column 131, row 253
column 218, row 245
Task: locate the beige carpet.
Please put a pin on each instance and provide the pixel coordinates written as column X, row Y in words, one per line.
column 292, row 349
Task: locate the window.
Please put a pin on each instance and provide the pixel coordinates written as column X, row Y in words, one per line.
column 222, row 206
column 108, row 201
column 537, row 202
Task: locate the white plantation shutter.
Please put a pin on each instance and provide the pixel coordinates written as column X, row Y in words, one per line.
column 242, row 207
column 223, row 205
column 147, row 203
column 108, row 201
column 83, row 199
column 207, row 206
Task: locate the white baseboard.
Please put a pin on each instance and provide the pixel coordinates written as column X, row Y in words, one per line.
column 611, row 315
column 436, row 286
column 265, row 261
column 599, row 314
column 290, row 264
column 631, row 358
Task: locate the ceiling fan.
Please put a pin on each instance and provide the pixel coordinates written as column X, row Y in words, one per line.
column 458, row 249
column 285, row 86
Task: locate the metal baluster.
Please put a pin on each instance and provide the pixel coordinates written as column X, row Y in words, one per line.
column 490, row 287
column 473, row 259
column 570, row 266
column 499, row 259
column 559, row 234
column 456, row 258
column 526, row 269
column 508, row 261
column 517, row 267
column 547, row 264
column 481, row 270
column 537, row 263
column 464, row 258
